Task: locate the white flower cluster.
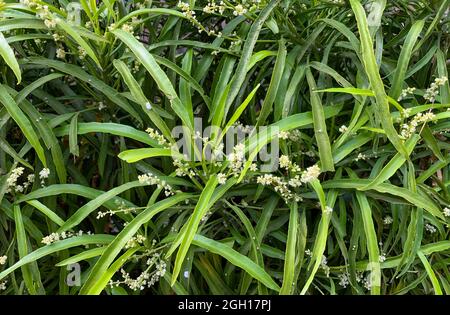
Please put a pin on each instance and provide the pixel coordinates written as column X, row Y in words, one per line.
column 142, row 5
column 183, row 168
column 11, row 181
column 82, row 53
column 121, row 207
column 157, row 136
column 42, row 12
column 360, row 156
column 236, row 159
column 3, row 285
column 54, row 237
column 57, row 37
column 328, row 210
column 206, row 217
column 324, row 266
column 147, row 278
column 284, row 187
column 101, row 105
column 310, row 174
column 127, row 27
column 287, row 164
column 344, row 279
column 281, row 186
column 221, row 178
column 433, row 90
column 239, row 10
column 430, row 228
column 405, row 113
column 60, row 53
column 388, row 220
column 409, row 129
column 13, row 185
column 135, row 241
column 343, row 129
column 368, row 282
column 294, row 135
column 3, row 259
column 150, row 179
column 446, row 211
column 43, row 175
column 406, row 92
column 212, row 7
column 283, row 135
column 101, row 214
column 186, row 9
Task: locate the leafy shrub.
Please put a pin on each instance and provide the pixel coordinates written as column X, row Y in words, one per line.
column 352, row 98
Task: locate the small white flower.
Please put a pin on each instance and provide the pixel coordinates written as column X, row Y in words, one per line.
column 382, row 257
column 156, row 136
column 81, row 52
column 284, row 161
column 101, row 106
column 47, row 240
column 344, row 279
column 328, row 210
column 50, row 23
column 60, row 53
column 3, row 259
column 361, row 156
column 310, row 174
column 343, row 128
column 127, row 28
column 446, row 212
column 283, row 135
column 388, row 220
column 239, row 10
column 44, row 173
column 405, row 93
column 221, row 178
column 430, row 228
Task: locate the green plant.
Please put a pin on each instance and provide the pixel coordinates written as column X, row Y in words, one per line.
column 355, row 96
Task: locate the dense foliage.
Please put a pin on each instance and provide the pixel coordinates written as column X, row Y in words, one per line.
column 96, row 198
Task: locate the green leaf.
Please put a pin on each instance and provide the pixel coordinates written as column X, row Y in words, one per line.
column 23, row 123
column 78, row 39
column 135, row 155
column 372, row 244
column 271, row 93
column 236, row 259
column 247, row 51
column 404, row 58
column 122, row 238
column 320, row 126
column 8, row 56
column 290, row 255
column 157, row 74
column 92, row 205
column 192, row 225
column 431, row 274
column 370, row 65
column 56, row 247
